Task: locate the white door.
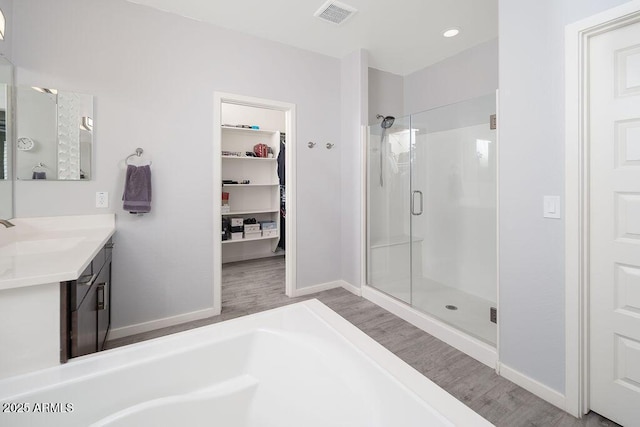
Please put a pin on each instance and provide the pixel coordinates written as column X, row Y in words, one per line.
column 614, row 135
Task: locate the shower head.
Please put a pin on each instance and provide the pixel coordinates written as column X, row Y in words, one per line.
column 387, row 121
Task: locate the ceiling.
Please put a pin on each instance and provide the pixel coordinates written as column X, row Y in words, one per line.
column 401, row 36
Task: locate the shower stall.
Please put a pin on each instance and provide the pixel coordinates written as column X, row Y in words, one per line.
column 432, row 213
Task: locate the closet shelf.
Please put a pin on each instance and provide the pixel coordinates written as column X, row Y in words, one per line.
column 259, row 159
column 250, row 185
column 245, row 130
column 250, row 240
column 250, row 212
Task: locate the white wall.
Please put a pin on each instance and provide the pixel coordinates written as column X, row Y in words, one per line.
column 386, row 95
column 354, row 101
column 467, row 75
column 531, row 127
column 153, row 75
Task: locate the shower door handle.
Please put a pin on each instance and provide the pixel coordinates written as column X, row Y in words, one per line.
column 413, row 202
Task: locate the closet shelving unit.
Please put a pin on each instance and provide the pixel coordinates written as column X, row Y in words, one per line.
column 260, row 199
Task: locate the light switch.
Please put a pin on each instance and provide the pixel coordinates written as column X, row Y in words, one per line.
column 551, row 207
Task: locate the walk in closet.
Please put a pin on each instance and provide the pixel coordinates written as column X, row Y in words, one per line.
column 252, row 170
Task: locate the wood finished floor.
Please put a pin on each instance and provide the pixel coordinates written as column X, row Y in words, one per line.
column 258, row 285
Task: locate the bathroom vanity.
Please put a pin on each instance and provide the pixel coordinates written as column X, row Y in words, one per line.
column 85, row 308
column 54, row 290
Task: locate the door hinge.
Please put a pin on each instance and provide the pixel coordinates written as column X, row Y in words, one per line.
column 493, row 314
column 493, row 122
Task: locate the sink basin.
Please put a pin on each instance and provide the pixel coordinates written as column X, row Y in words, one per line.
column 33, row 247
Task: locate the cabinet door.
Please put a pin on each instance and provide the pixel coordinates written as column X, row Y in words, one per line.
column 84, row 324
column 103, row 297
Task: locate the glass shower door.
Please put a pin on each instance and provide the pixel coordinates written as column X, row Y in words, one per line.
column 453, row 215
column 388, row 218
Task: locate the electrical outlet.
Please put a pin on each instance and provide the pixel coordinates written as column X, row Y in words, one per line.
column 102, row 199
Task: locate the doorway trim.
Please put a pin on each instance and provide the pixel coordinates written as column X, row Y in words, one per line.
column 290, row 187
column 577, row 36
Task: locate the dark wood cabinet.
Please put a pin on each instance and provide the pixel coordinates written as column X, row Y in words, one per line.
column 86, row 309
column 84, row 323
column 103, row 306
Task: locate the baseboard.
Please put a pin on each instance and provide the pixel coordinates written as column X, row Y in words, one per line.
column 351, row 288
column 139, row 328
column 542, row 391
column 318, row 288
column 473, row 347
column 152, row 325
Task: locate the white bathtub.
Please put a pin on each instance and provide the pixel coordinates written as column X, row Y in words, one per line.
column 299, row 365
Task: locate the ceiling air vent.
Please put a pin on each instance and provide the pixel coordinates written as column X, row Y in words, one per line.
column 335, row 12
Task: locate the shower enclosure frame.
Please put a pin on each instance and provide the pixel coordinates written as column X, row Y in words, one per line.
column 474, row 347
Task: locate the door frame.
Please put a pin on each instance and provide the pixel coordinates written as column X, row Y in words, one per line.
column 577, row 36
column 290, row 187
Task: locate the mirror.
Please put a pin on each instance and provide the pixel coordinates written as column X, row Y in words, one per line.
column 6, row 152
column 54, row 134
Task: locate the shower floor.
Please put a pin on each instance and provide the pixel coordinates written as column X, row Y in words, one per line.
column 431, row 297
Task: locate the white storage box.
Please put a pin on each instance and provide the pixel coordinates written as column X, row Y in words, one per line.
column 252, row 235
column 270, row 233
column 268, row 225
column 236, row 236
column 252, row 228
column 237, row 222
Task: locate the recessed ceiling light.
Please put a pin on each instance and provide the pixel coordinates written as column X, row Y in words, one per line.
column 451, row 32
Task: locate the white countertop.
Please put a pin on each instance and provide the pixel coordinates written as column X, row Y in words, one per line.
column 52, row 249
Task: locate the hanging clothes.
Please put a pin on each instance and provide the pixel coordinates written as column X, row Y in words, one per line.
column 283, row 198
column 281, row 162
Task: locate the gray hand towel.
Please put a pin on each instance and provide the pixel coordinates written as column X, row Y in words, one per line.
column 137, row 189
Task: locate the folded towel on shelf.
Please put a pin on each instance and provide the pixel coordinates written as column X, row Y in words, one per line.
column 39, row 175
column 137, row 189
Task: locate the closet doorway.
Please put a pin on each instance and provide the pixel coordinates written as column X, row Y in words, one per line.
column 254, row 196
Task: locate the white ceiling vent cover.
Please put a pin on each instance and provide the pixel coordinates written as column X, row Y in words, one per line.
column 335, row 12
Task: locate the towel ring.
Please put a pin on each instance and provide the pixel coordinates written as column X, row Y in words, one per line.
column 138, row 153
column 39, row 166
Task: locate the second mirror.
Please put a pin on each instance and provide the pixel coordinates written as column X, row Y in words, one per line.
column 54, row 134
